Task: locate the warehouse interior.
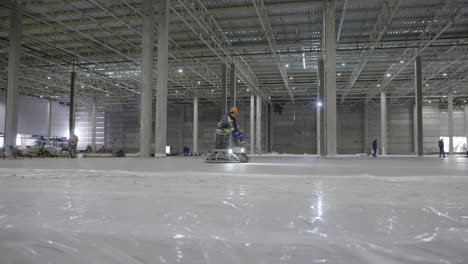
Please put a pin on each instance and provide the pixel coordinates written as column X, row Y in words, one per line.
column 343, row 105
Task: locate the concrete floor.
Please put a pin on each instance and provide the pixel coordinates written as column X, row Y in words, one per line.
column 289, row 209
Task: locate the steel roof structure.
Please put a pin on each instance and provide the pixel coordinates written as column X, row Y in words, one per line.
column 274, row 45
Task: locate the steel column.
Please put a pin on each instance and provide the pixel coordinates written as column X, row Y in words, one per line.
column 321, row 136
column 271, row 127
column 224, row 102
column 365, row 117
column 466, row 125
column 266, row 128
column 252, row 124
column 383, row 122
column 232, row 86
column 415, row 130
column 419, row 105
column 329, row 105
column 71, row 124
column 450, row 118
column 93, row 124
column 14, row 55
column 49, row 121
column 195, row 125
column 146, row 97
column 181, row 127
column 161, row 96
column 258, row 140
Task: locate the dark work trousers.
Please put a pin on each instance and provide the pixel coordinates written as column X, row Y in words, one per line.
column 441, row 152
column 374, row 152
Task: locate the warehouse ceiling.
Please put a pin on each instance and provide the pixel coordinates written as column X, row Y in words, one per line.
column 274, row 44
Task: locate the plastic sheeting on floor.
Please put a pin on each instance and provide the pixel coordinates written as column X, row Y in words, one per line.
column 272, row 210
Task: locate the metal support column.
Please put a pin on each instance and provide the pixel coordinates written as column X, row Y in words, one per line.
column 93, row 124
column 271, row 127
column 161, row 95
column 415, row 130
column 232, row 86
column 195, row 125
column 258, row 129
column 418, row 110
column 318, row 128
column 14, row 50
column 266, row 126
column 329, row 104
column 71, row 124
column 383, row 122
column 181, row 128
column 252, row 124
column 146, row 97
column 450, row 118
column 224, row 101
column 466, row 125
column 365, row 117
column 49, row 121
column 321, row 137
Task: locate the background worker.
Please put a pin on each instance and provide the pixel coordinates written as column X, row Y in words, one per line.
column 441, row 148
column 374, row 148
column 72, row 145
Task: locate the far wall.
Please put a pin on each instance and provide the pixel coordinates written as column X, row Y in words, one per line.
column 293, row 130
column 32, row 116
column 32, row 120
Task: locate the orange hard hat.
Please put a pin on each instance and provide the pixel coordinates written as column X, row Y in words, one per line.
column 234, row 110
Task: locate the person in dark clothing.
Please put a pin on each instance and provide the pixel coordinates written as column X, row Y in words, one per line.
column 89, row 149
column 441, row 148
column 186, row 151
column 374, row 148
